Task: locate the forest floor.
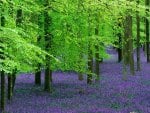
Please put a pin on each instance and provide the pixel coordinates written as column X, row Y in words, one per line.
column 110, row 95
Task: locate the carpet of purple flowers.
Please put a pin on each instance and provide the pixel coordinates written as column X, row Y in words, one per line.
column 110, row 95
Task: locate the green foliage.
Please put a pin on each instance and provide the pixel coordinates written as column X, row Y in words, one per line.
column 73, row 29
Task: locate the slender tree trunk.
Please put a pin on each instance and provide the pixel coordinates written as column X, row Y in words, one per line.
column 97, row 51
column 80, row 75
column 38, row 78
column 90, row 58
column 2, row 91
column 124, row 54
column 2, row 72
column 48, row 39
column 126, row 41
column 131, row 51
column 120, row 45
column 138, row 40
column 47, row 82
column 10, row 87
column 13, row 80
column 90, row 66
column 10, row 76
column 97, row 65
column 40, row 36
column 147, row 3
column 128, row 44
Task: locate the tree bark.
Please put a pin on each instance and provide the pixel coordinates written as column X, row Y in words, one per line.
column 13, row 80
column 147, row 3
column 2, row 72
column 138, row 40
column 48, row 39
column 131, row 51
column 90, row 66
column 80, row 75
column 90, row 58
column 120, row 45
column 10, row 87
column 40, row 36
column 2, row 91
column 38, row 78
column 128, row 44
column 97, row 52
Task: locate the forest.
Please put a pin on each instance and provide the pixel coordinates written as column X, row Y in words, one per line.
column 74, row 56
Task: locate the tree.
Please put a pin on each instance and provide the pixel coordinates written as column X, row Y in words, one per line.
column 128, row 43
column 138, row 39
column 97, row 50
column 119, row 40
column 39, row 38
column 2, row 57
column 79, row 12
column 90, row 56
column 147, row 3
column 48, row 39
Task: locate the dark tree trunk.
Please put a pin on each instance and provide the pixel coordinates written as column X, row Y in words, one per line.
column 90, row 66
column 147, row 3
column 13, row 80
column 120, row 48
column 2, row 72
column 10, row 87
column 138, row 40
column 40, row 36
column 80, row 75
column 97, row 71
column 10, row 76
column 2, row 91
column 90, row 56
column 48, row 39
column 131, row 51
column 38, row 78
column 47, row 82
column 97, row 65
column 128, row 44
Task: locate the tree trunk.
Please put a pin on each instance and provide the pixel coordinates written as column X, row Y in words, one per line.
column 47, row 82
column 97, row 65
column 138, row 40
column 131, row 51
column 97, row 71
column 90, row 58
column 128, row 44
column 13, row 80
column 90, row 65
column 40, row 36
column 80, row 75
column 2, row 72
column 10, row 87
column 147, row 3
column 18, row 24
column 2, row 91
column 38, row 78
column 48, row 39
column 120, row 46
